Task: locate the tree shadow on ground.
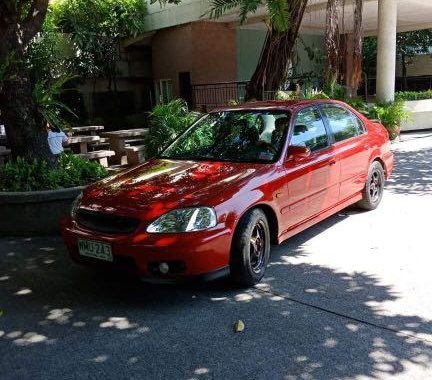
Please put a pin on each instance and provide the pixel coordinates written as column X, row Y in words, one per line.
column 413, row 172
column 61, row 320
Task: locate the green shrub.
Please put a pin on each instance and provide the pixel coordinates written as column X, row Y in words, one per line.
column 413, row 95
column 359, row 105
column 167, row 121
column 391, row 115
column 22, row 175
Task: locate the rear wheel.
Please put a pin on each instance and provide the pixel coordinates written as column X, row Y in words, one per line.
column 250, row 250
column 374, row 187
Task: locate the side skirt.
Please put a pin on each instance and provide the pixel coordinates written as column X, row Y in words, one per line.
column 318, row 218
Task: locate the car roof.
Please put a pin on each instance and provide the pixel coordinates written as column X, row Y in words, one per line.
column 276, row 104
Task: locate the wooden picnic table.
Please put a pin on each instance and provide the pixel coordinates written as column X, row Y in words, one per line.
column 93, row 129
column 118, row 139
column 83, row 142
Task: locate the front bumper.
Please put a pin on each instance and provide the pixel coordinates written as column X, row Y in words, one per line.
column 193, row 254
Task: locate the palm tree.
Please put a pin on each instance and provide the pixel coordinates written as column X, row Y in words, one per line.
column 284, row 19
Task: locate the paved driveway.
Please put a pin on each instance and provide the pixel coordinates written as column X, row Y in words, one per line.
column 348, row 298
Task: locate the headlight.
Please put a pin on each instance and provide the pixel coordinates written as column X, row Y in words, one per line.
column 75, row 205
column 184, row 220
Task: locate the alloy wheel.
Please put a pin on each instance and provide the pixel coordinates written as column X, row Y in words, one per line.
column 257, row 247
column 375, row 186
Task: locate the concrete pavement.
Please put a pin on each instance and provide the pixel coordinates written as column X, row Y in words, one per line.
column 350, row 298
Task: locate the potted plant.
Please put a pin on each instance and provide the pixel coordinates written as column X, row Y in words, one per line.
column 391, row 115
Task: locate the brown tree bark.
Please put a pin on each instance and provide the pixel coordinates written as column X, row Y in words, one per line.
column 272, row 70
column 332, row 41
column 24, row 128
column 357, row 70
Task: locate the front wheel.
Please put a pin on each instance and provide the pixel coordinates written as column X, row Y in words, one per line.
column 374, row 187
column 250, row 249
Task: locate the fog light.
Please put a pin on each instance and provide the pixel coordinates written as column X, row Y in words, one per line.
column 164, row 268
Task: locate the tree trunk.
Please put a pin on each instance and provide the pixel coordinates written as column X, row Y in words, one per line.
column 357, row 70
column 332, row 41
column 404, row 72
column 24, row 128
column 271, row 72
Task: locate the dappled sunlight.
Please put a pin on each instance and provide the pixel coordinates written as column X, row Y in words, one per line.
column 290, row 315
column 100, row 359
column 23, row 292
column 60, row 316
column 120, row 323
column 30, row 338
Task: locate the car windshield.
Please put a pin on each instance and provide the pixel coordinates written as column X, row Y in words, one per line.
column 238, row 136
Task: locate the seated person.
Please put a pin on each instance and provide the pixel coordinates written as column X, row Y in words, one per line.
column 56, row 139
column 281, row 125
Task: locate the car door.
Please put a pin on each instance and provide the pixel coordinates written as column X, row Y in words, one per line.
column 351, row 147
column 313, row 182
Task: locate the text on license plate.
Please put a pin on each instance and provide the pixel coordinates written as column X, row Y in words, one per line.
column 95, row 249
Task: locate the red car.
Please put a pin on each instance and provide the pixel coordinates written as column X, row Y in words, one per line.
column 236, row 181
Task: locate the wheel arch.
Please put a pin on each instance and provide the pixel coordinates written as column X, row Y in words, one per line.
column 381, row 161
column 271, row 218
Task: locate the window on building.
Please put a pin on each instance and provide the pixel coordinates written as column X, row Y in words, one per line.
column 163, row 91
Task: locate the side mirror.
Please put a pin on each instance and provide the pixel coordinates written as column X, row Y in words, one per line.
column 297, row 152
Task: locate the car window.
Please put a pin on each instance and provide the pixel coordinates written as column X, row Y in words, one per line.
column 238, row 136
column 309, row 130
column 343, row 123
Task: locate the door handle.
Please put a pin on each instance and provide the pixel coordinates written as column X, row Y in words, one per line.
column 332, row 162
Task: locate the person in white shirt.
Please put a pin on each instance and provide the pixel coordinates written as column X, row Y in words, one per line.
column 56, row 139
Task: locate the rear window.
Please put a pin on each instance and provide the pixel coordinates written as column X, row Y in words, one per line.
column 342, row 122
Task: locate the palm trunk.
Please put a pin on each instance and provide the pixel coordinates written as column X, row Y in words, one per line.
column 271, row 72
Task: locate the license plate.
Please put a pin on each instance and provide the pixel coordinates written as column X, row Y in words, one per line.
column 95, row 249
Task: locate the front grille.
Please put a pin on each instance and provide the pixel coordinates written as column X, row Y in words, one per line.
column 108, row 223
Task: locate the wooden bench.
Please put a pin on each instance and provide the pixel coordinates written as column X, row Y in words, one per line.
column 132, row 142
column 92, row 129
column 117, row 141
column 102, row 144
column 100, row 155
column 135, row 154
column 83, row 142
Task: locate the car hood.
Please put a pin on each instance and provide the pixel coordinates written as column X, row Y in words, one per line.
column 157, row 186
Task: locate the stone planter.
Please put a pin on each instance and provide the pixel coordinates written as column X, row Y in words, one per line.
column 35, row 212
column 421, row 115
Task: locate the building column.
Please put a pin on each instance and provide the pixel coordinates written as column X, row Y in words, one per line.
column 386, row 54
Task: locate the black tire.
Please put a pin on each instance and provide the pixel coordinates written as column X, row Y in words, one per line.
column 250, row 249
column 374, row 187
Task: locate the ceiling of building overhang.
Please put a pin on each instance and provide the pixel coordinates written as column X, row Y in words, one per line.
column 412, row 15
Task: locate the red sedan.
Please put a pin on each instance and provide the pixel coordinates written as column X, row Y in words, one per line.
column 236, row 181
